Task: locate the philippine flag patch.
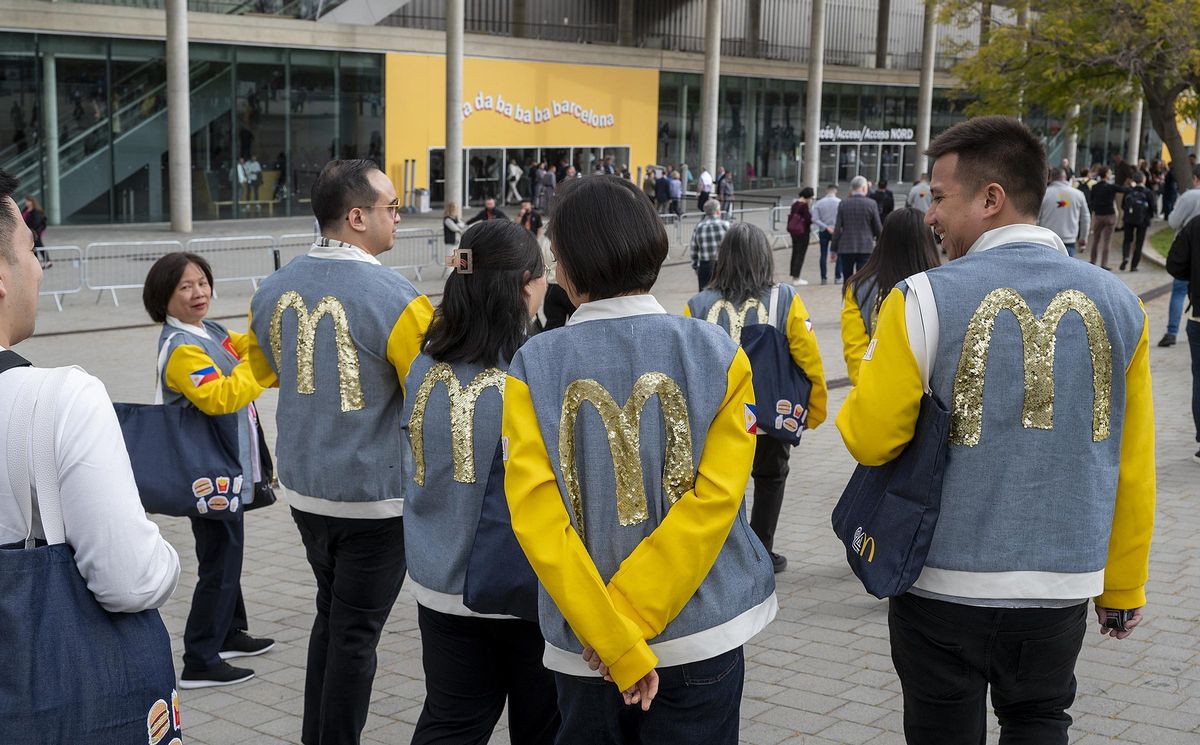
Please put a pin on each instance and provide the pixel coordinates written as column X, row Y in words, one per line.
column 751, row 419
column 204, row 375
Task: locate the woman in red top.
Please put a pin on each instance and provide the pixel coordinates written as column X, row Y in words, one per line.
column 798, row 226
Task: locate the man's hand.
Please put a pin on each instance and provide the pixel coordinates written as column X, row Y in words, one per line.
column 1116, row 633
column 1081, row 244
column 643, row 691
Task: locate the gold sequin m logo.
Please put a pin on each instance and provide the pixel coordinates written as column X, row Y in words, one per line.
column 623, row 426
column 1038, row 337
column 306, row 332
column 462, row 418
column 737, row 316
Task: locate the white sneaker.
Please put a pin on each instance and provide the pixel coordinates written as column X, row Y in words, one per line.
column 799, row 281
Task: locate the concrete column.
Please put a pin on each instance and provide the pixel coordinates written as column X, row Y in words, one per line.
column 625, row 24
column 179, row 119
column 454, row 101
column 710, row 95
column 1023, row 24
column 812, row 108
column 985, row 21
column 1071, row 144
column 754, row 28
column 520, row 21
column 925, row 94
column 1135, row 129
column 50, row 138
column 882, row 27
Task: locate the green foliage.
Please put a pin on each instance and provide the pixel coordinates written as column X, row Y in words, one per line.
column 1161, row 240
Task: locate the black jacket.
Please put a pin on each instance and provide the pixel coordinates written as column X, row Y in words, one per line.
column 496, row 214
column 1183, row 260
column 886, row 201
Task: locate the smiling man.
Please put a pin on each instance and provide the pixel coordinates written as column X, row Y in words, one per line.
column 1048, row 496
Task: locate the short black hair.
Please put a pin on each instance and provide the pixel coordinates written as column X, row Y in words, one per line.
column 997, row 149
column 163, row 278
column 807, row 192
column 882, row 183
column 1195, row 172
column 482, row 317
column 8, row 223
column 608, row 237
column 342, row 186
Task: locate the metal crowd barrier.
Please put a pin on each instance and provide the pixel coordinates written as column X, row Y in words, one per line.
column 247, row 258
column 121, row 265
column 64, row 276
column 291, row 245
column 415, row 249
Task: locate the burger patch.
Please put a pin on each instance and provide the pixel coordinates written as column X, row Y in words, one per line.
column 158, row 722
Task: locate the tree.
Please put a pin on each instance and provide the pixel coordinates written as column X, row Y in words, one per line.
column 1088, row 52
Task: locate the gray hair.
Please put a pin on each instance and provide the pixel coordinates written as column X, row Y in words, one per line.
column 858, row 183
column 745, row 267
column 712, row 207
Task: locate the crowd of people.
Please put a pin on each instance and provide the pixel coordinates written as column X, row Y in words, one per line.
column 569, row 503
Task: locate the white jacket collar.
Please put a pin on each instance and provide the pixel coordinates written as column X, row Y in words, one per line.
column 616, row 307
column 1019, row 233
column 198, row 330
column 328, row 248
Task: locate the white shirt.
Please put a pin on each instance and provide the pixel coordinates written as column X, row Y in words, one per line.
column 706, row 181
column 127, row 564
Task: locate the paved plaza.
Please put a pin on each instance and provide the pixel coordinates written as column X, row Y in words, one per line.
column 821, row 673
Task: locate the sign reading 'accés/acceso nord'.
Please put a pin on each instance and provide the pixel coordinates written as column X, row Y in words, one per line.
column 536, row 114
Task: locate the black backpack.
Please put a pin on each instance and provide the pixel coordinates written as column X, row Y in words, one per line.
column 1137, row 208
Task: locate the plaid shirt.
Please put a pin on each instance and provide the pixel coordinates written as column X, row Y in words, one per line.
column 706, row 239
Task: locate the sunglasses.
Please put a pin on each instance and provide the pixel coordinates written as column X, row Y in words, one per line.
column 392, row 207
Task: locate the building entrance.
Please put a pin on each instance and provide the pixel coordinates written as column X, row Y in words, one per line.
column 486, row 170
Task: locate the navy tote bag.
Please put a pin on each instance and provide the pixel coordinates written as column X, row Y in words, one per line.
column 781, row 389
column 70, row 671
column 887, row 514
column 185, row 462
column 499, row 578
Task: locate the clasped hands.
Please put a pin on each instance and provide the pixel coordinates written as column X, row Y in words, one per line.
column 642, row 692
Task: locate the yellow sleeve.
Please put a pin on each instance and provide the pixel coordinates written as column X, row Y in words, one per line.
column 222, row 395
column 256, row 359
column 687, row 310
column 240, row 342
column 697, row 526
column 556, row 552
column 880, row 415
column 806, row 353
column 404, row 343
column 1128, row 565
column 854, row 335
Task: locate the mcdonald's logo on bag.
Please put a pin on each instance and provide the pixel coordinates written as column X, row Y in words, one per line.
column 864, row 545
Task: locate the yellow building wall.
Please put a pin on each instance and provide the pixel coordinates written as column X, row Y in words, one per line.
column 1187, row 130
column 532, row 104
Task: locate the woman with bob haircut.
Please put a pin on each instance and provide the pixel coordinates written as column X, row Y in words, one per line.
column 627, row 462
column 206, row 367
column 744, row 278
column 473, row 662
column 905, row 247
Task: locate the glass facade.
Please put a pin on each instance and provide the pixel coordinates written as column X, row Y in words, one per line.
column 264, row 121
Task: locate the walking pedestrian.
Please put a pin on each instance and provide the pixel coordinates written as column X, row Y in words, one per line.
column 1138, row 210
column 706, row 240
column 725, row 190
column 740, row 295
column 1188, row 206
column 799, row 227
column 704, row 189
column 1104, row 214
column 340, row 391
column 919, row 197
column 905, row 248
column 489, row 212
column 1049, row 486
column 667, row 560
column 884, row 198
column 1065, row 211
column 1183, row 263
column 856, row 228
column 824, row 217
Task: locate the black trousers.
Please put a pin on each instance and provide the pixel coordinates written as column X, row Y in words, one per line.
column 218, row 610
column 947, row 655
column 472, row 666
column 704, row 270
column 359, row 566
column 1137, row 236
column 769, row 472
column 701, row 198
column 799, row 249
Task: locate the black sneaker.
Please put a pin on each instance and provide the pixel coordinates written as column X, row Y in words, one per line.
column 1196, row 457
column 242, row 644
column 779, row 562
column 221, row 675
column 1168, row 340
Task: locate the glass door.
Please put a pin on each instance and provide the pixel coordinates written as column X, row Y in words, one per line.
column 829, row 166
column 868, row 162
column 484, row 180
column 889, row 163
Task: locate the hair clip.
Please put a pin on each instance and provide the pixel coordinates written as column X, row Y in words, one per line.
column 463, row 262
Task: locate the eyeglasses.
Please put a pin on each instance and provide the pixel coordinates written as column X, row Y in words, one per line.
column 392, row 207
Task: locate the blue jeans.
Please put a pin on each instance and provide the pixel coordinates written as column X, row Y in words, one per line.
column 1179, row 291
column 1193, row 334
column 823, row 237
column 1070, row 248
column 696, row 703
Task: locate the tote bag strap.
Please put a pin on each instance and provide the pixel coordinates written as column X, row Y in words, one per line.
column 773, row 307
column 921, row 318
column 32, row 420
column 162, row 364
